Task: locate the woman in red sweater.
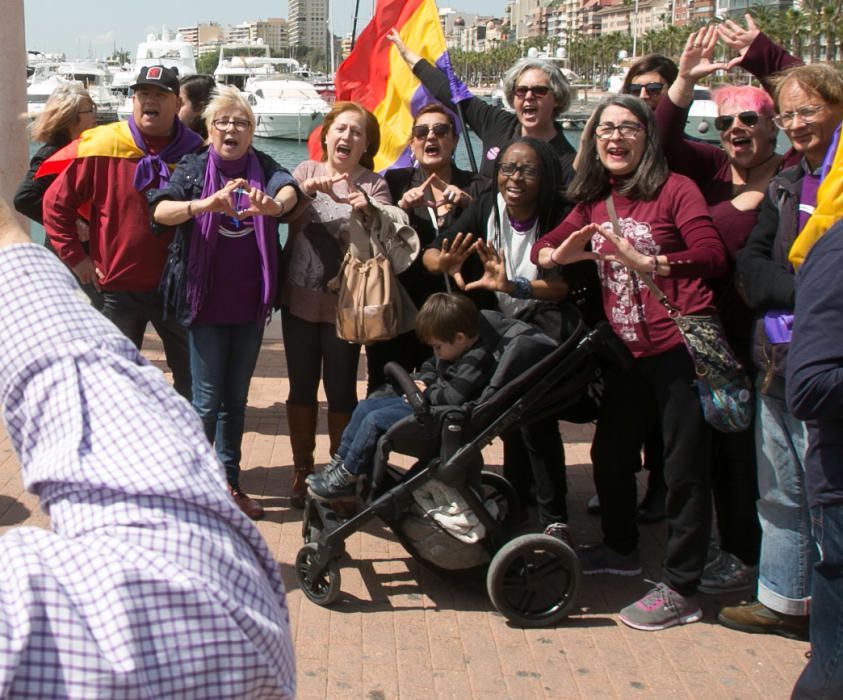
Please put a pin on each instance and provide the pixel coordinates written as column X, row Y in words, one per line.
column 667, row 233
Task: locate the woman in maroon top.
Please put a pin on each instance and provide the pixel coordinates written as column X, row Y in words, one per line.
column 733, row 179
column 667, row 233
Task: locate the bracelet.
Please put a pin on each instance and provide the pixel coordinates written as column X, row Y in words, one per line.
column 522, row 289
column 552, row 258
column 190, row 209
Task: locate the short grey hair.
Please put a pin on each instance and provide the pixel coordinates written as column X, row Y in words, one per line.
column 227, row 97
column 558, row 84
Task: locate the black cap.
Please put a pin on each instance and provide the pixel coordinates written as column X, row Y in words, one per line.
column 158, row 76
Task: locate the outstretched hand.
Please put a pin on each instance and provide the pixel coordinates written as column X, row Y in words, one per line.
column 572, row 249
column 453, row 255
column 221, row 201
column 324, row 184
column 696, row 60
column 494, row 270
column 737, row 38
column 410, row 57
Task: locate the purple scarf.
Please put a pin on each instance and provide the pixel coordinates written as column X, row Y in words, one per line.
column 203, row 239
column 184, row 141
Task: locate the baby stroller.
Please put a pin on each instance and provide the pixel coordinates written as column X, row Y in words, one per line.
column 531, row 579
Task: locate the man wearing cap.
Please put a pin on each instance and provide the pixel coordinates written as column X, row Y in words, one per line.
column 107, row 171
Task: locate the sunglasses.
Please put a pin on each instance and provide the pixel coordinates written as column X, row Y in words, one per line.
column 725, row 121
column 652, row 89
column 537, row 90
column 421, row 131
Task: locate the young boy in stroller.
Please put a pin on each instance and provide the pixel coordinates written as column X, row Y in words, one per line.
column 463, row 344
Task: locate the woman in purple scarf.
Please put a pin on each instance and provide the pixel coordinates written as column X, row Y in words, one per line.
column 226, row 201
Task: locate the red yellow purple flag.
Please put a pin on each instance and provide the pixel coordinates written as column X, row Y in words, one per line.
column 376, row 77
column 113, row 140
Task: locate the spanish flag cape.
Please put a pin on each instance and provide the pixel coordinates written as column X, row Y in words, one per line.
column 829, row 204
column 376, row 77
column 113, row 140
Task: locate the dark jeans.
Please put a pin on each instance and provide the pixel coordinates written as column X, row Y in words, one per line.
column 371, row 419
column 734, row 483
column 536, row 454
column 131, row 311
column 661, row 385
column 314, row 352
column 222, row 361
column 406, row 349
column 823, row 676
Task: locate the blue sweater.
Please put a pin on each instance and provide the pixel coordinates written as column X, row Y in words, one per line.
column 815, row 366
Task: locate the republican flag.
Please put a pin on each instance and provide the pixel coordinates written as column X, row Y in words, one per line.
column 376, row 77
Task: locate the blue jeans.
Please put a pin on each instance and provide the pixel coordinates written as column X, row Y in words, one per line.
column 788, row 552
column 371, row 419
column 823, row 676
column 222, row 362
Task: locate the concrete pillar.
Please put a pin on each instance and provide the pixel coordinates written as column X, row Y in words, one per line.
column 14, row 140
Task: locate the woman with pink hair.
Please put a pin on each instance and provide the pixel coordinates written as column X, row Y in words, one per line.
column 733, row 179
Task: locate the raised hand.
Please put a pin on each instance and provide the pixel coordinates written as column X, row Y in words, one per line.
column 410, row 57
column 696, row 60
column 737, row 38
column 627, row 254
column 260, row 204
column 453, row 255
column 221, row 200
column 358, row 199
column 494, row 270
column 417, row 196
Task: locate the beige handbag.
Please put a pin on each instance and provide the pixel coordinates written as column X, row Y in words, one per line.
column 370, row 303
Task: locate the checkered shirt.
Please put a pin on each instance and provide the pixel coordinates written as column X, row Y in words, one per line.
column 152, row 583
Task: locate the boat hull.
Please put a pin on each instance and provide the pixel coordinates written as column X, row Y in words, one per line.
column 296, row 127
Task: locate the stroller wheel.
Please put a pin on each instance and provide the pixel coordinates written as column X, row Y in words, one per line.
column 322, row 589
column 533, row 580
column 504, row 495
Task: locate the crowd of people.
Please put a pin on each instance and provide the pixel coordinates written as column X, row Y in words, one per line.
column 161, row 225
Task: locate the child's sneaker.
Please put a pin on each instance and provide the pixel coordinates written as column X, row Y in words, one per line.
column 561, row 532
column 335, row 484
column 322, row 473
column 727, row 574
column 602, row 559
column 661, row 608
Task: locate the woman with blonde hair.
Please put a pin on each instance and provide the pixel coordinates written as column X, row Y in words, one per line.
column 226, row 201
column 67, row 113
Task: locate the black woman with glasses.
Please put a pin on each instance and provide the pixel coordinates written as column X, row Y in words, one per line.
column 633, row 217
column 222, row 272
column 537, row 91
column 486, row 252
column 433, row 192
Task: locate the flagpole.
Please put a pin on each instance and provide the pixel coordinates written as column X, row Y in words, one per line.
column 354, row 24
column 464, row 131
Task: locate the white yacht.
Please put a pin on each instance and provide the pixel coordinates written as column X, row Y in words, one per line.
column 285, row 108
column 169, row 51
column 237, row 65
column 96, row 78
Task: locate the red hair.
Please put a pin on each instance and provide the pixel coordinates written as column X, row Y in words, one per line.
column 748, row 97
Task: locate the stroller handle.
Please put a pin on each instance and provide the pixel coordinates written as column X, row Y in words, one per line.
column 408, row 387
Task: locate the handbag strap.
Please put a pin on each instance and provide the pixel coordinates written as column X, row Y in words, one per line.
column 660, row 296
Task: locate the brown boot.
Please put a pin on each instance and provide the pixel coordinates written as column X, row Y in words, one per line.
column 302, row 423
column 336, row 425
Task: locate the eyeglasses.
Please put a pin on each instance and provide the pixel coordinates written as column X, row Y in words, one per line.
column 420, row 131
column 528, row 172
column 807, row 114
column 93, row 110
column 537, row 90
column 725, row 121
column 627, row 130
column 238, row 124
column 652, row 89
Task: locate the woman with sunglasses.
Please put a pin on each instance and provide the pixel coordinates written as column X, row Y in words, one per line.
column 433, row 192
column 226, row 201
column 667, row 233
column 486, row 252
column 810, row 109
column 537, row 91
column 733, row 179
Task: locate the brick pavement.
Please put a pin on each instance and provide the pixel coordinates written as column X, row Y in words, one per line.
column 400, row 632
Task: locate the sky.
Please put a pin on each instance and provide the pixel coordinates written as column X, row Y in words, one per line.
column 81, row 28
